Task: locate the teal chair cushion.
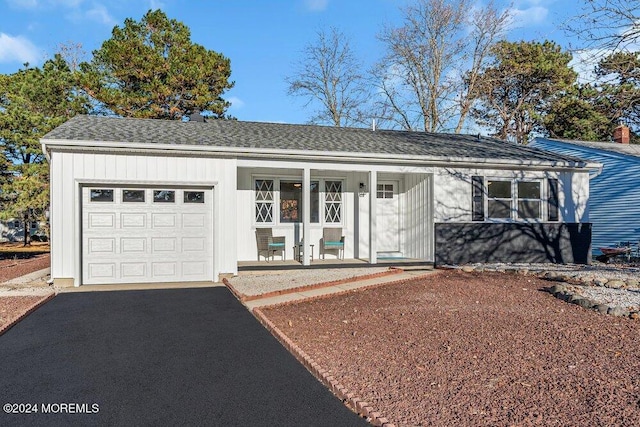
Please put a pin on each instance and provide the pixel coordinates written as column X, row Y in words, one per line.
column 333, row 244
column 276, row 245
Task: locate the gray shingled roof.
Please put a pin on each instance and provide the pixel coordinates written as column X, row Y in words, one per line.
column 287, row 137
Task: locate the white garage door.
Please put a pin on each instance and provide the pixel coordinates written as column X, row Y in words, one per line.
column 143, row 235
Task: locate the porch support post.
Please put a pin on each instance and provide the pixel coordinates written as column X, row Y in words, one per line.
column 306, row 216
column 373, row 229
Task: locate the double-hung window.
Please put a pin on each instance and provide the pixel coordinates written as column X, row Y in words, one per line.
column 529, row 200
column 499, row 199
column 510, row 199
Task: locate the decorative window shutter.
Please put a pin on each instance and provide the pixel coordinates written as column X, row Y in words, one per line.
column 552, row 200
column 477, row 203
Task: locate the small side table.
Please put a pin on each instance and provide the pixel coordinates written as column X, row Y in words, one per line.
column 298, row 249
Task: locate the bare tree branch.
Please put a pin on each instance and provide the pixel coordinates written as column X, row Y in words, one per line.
column 328, row 76
column 607, row 25
column 426, row 79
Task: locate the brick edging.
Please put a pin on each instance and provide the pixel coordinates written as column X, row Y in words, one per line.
column 37, row 305
column 233, row 290
column 244, row 298
column 361, row 407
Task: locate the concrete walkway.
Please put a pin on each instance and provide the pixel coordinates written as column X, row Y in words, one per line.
column 299, row 295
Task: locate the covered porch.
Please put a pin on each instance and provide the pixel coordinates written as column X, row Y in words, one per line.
column 383, row 214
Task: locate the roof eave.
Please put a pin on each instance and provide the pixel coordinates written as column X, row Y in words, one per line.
column 253, row 152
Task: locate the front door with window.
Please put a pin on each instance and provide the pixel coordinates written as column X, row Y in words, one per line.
column 388, row 216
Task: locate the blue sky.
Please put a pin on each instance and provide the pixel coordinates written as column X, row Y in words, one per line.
column 263, row 38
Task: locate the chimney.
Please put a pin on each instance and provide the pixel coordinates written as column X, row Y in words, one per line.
column 621, row 134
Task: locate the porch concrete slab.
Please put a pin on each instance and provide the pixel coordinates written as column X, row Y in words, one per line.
column 334, row 289
column 253, row 283
column 279, row 299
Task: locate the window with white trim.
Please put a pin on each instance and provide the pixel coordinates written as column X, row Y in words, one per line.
column 529, row 200
column 499, row 198
column 333, row 202
column 291, row 201
column 264, row 201
column 514, row 199
column 325, row 198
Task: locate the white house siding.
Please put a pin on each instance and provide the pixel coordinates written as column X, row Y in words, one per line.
column 247, row 247
column 418, row 216
column 452, row 192
column 615, row 192
column 69, row 171
column 415, row 186
column 458, row 239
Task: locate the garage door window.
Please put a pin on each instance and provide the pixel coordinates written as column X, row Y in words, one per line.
column 101, row 195
column 133, row 196
column 164, row 196
column 194, row 196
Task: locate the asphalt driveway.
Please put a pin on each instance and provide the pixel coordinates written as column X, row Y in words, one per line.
column 161, row 357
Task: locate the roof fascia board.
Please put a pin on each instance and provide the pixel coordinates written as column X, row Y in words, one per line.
column 134, row 147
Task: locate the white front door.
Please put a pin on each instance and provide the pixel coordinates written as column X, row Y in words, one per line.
column 388, row 216
column 142, row 235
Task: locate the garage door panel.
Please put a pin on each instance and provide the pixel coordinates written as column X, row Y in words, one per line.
column 164, row 269
column 193, row 268
column 164, row 220
column 134, row 220
column 140, row 242
column 193, row 220
column 191, row 244
column 133, row 270
column 102, row 270
column 102, row 220
column 163, row 244
column 133, row 245
column 102, row 245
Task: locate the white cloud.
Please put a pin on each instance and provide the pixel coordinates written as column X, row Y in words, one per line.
column 584, row 63
column 38, row 4
column 530, row 16
column 100, row 14
column 316, row 5
column 156, row 4
column 236, row 103
column 23, row 4
column 17, row 49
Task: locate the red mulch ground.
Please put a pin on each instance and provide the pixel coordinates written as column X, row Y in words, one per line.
column 12, row 307
column 470, row 349
column 16, row 267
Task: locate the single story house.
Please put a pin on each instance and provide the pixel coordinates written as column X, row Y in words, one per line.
column 614, row 191
column 12, row 230
column 140, row 200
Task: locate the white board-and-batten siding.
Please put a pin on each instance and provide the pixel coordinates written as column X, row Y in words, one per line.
column 453, row 192
column 70, row 171
column 614, row 195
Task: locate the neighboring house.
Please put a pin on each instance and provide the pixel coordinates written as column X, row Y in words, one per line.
column 13, row 230
column 138, row 200
column 615, row 191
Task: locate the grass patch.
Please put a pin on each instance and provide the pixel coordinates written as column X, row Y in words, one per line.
column 9, row 250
